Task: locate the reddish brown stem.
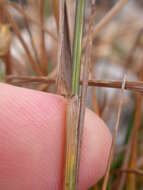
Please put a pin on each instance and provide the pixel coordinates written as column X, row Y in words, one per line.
column 43, row 46
column 17, row 32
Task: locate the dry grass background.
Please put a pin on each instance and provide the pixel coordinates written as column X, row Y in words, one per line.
column 36, row 41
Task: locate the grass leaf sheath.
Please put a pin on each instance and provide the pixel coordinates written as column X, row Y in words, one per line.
column 77, row 45
column 71, row 153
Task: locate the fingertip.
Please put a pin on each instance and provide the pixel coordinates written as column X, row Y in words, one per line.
column 32, row 140
column 95, row 150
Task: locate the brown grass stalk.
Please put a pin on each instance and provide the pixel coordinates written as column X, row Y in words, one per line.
column 18, row 34
column 30, row 34
column 131, row 142
column 60, row 22
column 106, row 19
column 28, row 17
column 71, row 149
column 64, row 61
column 130, row 155
column 55, row 4
column 70, row 18
column 71, row 77
column 91, row 64
column 7, row 37
column 114, row 137
column 130, row 85
column 8, row 65
column 131, row 181
column 85, row 77
column 42, row 37
column 129, row 60
column 133, row 171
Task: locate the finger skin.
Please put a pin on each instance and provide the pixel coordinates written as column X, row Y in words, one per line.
column 32, row 130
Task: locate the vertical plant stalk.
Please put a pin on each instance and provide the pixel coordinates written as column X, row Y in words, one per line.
column 125, row 164
column 104, row 187
column 64, row 61
column 77, row 45
column 70, row 6
column 82, row 105
column 5, row 36
column 131, row 182
column 106, row 19
column 60, row 26
column 92, row 64
column 42, row 43
column 29, row 18
column 131, row 150
column 7, row 60
column 131, row 179
column 17, row 32
column 55, row 4
column 72, row 140
column 86, row 61
column 30, row 33
column 70, row 175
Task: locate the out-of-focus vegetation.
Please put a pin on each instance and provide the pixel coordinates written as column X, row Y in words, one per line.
column 28, row 52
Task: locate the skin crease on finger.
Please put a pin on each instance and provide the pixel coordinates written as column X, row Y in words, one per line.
column 32, row 130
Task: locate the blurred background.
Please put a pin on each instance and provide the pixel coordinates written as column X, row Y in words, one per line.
column 28, row 47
